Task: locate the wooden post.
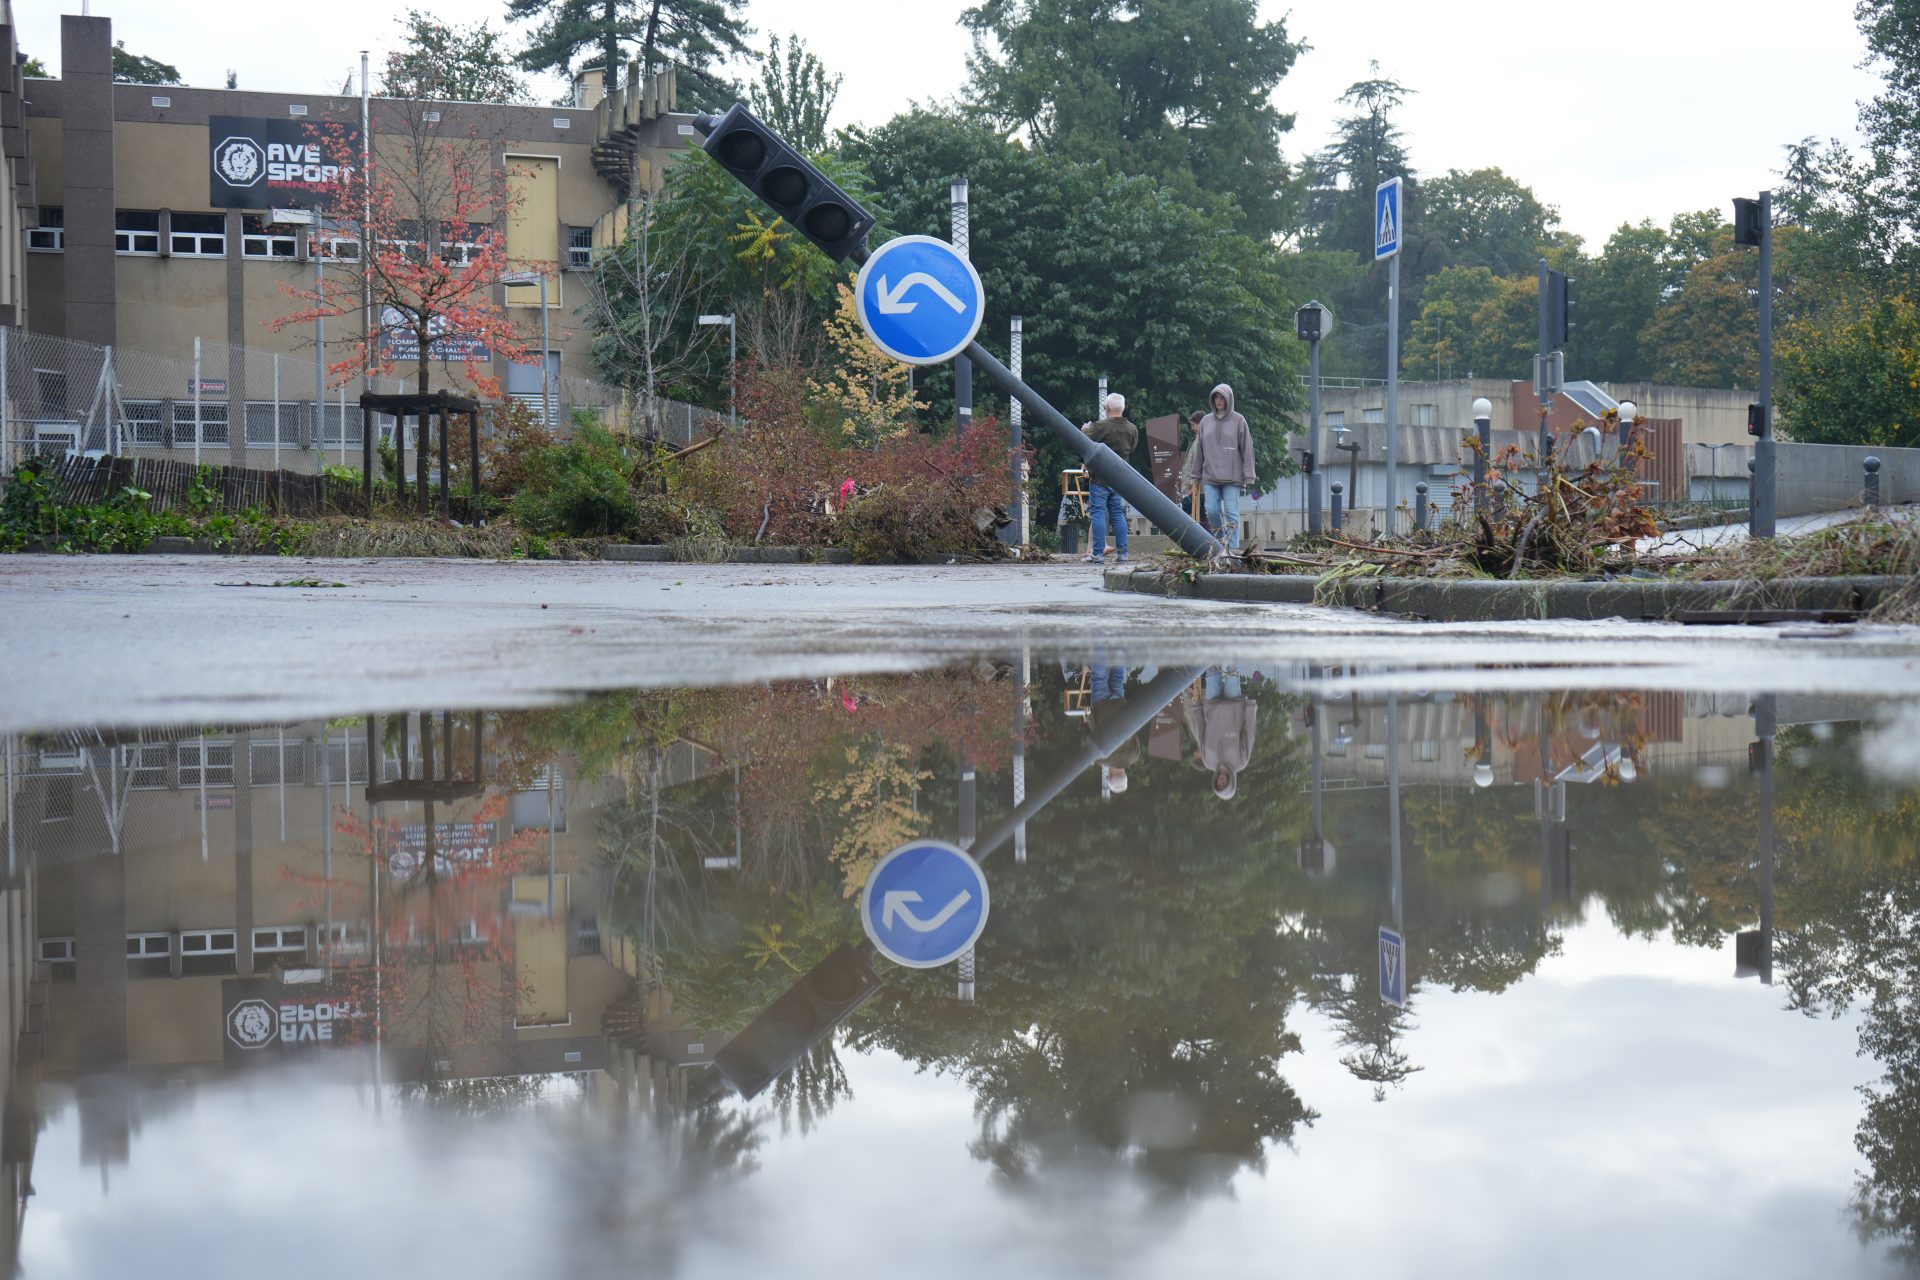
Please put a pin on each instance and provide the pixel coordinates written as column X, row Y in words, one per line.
column 423, row 447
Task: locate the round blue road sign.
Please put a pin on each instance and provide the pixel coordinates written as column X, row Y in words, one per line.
column 925, row 904
column 919, row 300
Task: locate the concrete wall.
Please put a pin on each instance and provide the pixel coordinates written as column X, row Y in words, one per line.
column 1827, row 477
column 1708, row 415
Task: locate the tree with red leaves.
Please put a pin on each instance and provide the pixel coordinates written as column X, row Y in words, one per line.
column 417, row 239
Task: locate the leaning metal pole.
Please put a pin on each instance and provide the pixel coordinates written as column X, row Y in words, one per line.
column 1106, row 466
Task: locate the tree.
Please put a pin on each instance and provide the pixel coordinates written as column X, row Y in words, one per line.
column 1853, row 378
column 1884, row 188
column 430, row 253
column 444, row 63
column 639, row 295
column 34, row 69
column 133, row 68
column 1178, row 91
column 696, row 36
column 1116, row 276
column 872, row 390
column 1367, row 149
column 1473, row 323
column 794, row 94
column 1487, row 219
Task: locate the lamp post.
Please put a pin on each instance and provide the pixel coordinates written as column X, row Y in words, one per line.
column 1312, row 324
column 1352, row 449
column 733, row 365
column 963, row 367
column 539, row 278
column 1483, row 429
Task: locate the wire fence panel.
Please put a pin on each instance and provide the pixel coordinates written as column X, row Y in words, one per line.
column 243, row 407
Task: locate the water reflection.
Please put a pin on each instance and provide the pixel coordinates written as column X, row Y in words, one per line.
column 642, row 905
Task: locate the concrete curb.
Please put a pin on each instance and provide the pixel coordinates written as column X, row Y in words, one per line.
column 1484, row 600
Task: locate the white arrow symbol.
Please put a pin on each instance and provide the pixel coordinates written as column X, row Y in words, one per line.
column 896, row 902
column 890, row 304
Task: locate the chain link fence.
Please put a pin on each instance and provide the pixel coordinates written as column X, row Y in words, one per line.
column 238, row 406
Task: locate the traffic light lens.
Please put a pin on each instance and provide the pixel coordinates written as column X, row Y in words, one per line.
column 784, row 187
column 828, row 222
column 742, row 150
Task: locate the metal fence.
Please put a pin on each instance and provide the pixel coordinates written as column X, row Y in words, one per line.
column 236, row 406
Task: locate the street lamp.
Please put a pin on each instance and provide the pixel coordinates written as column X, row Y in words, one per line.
column 539, row 278
column 1483, row 428
column 1312, row 324
column 1352, row 449
column 733, row 365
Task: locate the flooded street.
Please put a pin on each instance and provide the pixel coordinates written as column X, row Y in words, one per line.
column 1441, row 966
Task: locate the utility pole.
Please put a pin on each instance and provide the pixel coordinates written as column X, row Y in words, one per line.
column 962, row 367
column 1389, row 233
column 1542, row 379
column 1017, row 530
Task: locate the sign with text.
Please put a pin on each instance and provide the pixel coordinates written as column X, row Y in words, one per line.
column 1163, row 449
column 456, row 847
column 265, row 1019
column 258, row 163
column 400, row 342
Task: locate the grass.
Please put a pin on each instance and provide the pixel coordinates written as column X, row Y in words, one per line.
column 1873, row 546
column 357, row 538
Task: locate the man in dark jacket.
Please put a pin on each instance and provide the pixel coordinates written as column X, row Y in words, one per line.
column 1119, row 435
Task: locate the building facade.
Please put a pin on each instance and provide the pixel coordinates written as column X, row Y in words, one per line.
column 154, row 233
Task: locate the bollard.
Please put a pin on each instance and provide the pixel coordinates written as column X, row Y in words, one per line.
column 1420, row 506
column 1338, row 489
column 1872, row 465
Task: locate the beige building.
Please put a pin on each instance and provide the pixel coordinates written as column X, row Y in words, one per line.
column 154, row 233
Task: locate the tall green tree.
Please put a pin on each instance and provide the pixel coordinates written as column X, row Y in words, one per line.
column 795, row 93
column 1179, row 90
column 696, row 36
column 1487, row 219
column 1853, row 376
column 1473, row 323
column 1368, row 147
column 134, row 68
column 1115, row 276
column 442, row 62
column 1884, row 188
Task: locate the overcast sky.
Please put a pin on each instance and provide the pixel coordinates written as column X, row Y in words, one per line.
column 1635, row 109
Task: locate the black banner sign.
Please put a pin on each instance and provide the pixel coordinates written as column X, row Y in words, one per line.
column 276, row 164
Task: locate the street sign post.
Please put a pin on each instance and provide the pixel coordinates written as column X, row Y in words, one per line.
column 1393, row 968
column 920, row 300
column 1389, row 231
column 925, row 904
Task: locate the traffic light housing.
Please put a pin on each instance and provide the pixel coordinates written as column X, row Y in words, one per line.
column 787, row 181
column 1559, row 308
column 1756, row 420
column 1746, row 221
column 805, row 1014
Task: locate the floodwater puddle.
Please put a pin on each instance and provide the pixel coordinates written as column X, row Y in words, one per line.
column 1210, row 970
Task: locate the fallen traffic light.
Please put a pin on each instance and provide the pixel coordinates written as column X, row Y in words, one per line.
column 787, row 181
column 805, row 1014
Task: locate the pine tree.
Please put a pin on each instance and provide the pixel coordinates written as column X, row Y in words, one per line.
column 695, row 36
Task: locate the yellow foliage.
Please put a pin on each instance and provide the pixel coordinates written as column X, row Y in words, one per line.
column 875, row 797
column 873, row 390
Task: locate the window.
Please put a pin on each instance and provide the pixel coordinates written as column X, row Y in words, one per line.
column 277, row 762
column 147, row 765
column 162, row 100
column 262, row 239
column 1336, row 418
column 1422, row 415
column 51, row 235
column 344, row 939
column 148, row 955
column 579, row 248
column 204, row 951
column 219, row 763
column 58, row 955
column 1373, row 415
column 198, row 235
column 51, row 384
column 260, row 418
column 213, row 422
column 144, row 422
column 287, row 939
column 296, row 109
column 136, row 231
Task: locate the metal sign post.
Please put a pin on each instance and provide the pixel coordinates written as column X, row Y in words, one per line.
column 1389, row 232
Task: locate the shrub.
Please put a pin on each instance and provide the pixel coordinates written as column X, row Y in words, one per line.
column 578, row 487
column 510, row 439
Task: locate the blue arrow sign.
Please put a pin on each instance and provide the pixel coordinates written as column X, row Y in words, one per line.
column 919, row 300
column 1393, row 968
column 1386, row 219
column 925, row 904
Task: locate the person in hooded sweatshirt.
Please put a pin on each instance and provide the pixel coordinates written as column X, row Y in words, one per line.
column 1221, row 721
column 1221, row 462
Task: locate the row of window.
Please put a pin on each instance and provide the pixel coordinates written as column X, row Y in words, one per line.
column 203, row 950
column 137, row 233
column 155, row 766
column 148, row 422
column 1418, row 415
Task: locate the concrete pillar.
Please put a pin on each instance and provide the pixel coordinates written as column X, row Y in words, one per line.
column 86, row 145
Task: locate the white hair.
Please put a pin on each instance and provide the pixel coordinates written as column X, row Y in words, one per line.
column 1115, row 400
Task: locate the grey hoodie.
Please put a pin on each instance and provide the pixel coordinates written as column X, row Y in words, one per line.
column 1222, row 451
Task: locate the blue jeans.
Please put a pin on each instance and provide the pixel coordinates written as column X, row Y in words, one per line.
column 1223, row 513
column 1221, row 684
column 1107, row 507
column 1109, row 684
